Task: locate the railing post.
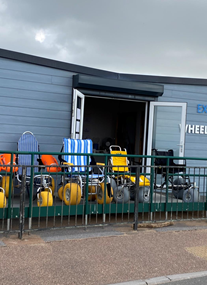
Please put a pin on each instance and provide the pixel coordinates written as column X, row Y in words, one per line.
column 10, row 192
column 22, row 203
column 151, row 186
column 30, row 191
column 167, row 188
column 206, row 192
column 105, row 189
column 136, row 200
column 86, row 193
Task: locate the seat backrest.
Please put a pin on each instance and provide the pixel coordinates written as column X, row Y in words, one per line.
column 77, row 146
column 27, row 142
column 163, row 161
column 5, row 160
column 119, row 163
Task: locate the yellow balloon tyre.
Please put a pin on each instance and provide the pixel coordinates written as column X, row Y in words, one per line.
column 2, row 200
column 60, row 193
column 52, row 185
column 45, row 199
column 5, row 185
column 91, row 189
column 100, row 194
column 72, row 194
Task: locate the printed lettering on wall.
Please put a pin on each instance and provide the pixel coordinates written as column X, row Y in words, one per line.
column 201, row 108
column 196, row 129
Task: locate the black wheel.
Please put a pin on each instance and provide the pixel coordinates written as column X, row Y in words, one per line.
column 178, row 189
column 132, row 193
column 178, row 194
column 190, row 195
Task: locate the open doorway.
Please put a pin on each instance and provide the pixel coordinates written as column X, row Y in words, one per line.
column 109, row 121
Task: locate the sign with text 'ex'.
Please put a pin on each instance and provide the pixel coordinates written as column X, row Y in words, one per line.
column 201, row 108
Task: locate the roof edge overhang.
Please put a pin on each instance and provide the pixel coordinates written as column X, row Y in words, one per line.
column 154, row 79
column 118, row 86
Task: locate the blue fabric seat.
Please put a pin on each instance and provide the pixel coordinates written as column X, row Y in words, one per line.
column 27, row 142
column 77, row 146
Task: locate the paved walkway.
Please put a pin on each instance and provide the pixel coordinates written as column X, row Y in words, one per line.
column 103, row 255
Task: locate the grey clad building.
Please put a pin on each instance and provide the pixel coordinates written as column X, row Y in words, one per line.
column 55, row 99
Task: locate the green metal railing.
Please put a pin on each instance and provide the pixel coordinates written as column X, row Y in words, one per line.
column 161, row 206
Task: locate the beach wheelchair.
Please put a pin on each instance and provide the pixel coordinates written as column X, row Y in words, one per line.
column 122, row 182
column 43, row 183
column 77, row 171
column 175, row 176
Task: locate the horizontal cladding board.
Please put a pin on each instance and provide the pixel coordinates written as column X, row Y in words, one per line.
column 196, row 138
column 197, row 153
column 33, row 68
column 35, row 104
column 35, row 77
column 29, row 112
column 49, row 131
column 192, row 96
column 167, row 124
column 33, row 121
column 166, row 137
column 169, row 113
column 35, row 95
column 195, row 146
column 171, row 99
column 9, row 83
column 197, row 163
column 186, row 88
column 195, row 120
column 25, row 76
column 42, row 139
column 191, row 104
column 192, row 113
column 163, row 131
column 50, row 148
column 192, row 99
column 12, row 146
column 8, row 146
column 65, row 81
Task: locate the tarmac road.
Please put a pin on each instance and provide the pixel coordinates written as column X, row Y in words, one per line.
column 103, row 255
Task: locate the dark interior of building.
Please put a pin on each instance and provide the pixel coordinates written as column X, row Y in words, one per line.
column 117, row 122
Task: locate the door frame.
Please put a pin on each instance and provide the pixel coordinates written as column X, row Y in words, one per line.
column 182, row 126
column 77, row 117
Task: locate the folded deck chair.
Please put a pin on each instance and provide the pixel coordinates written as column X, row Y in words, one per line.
column 28, row 143
column 123, row 182
column 77, row 167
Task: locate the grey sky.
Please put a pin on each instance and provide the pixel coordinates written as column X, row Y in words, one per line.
column 161, row 37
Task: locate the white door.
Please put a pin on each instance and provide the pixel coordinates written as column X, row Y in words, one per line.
column 77, row 115
column 167, row 127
